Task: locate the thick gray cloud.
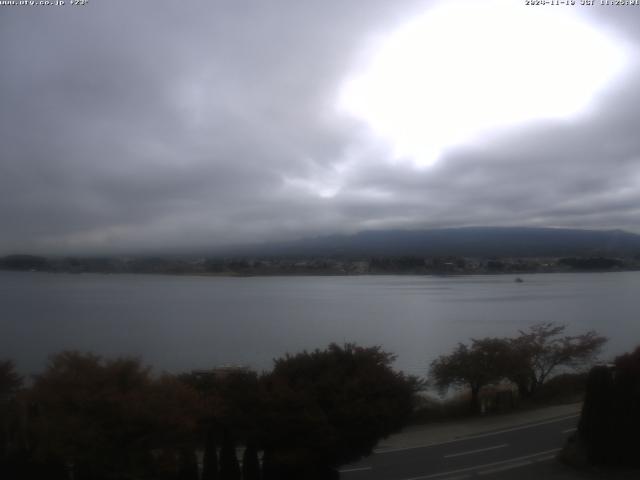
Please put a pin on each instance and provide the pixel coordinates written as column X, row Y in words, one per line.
column 132, row 125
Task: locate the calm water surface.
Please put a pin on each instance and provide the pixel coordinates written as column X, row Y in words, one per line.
column 179, row 323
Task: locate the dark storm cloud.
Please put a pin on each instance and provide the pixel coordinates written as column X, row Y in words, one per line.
column 163, row 125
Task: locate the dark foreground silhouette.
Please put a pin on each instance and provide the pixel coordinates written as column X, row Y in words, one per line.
column 607, row 434
column 88, row 418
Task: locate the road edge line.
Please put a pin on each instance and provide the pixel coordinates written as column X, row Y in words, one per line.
column 486, row 465
column 479, row 435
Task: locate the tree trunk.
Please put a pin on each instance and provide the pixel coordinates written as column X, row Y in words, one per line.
column 250, row 463
column 475, row 399
column 268, row 468
column 229, row 466
column 210, row 459
column 188, row 467
column 524, row 390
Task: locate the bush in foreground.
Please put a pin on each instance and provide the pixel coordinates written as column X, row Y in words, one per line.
column 98, row 419
column 331, row 407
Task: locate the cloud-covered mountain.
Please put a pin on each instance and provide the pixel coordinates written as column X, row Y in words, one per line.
column 471, row 242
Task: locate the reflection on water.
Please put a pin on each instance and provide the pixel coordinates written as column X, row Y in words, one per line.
column 180, row 323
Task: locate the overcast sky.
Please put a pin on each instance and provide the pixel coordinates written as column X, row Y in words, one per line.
column 148, row 124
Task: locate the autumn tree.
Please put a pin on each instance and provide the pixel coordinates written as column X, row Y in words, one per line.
column 527, row 360
column 105, row 416
column 330, row 407
column 232, row 400
column 542, row 350
column 10, row 383
column 484, row 362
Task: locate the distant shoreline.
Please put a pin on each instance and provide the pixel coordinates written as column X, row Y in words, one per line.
column 231, row 274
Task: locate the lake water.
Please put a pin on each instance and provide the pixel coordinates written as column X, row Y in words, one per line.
column 177, row 323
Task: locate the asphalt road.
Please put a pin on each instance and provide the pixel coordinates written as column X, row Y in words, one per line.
column 490, row 455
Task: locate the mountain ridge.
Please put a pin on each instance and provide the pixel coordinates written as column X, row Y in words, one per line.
column 461, row 241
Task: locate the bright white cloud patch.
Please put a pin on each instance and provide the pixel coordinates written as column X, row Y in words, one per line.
column 466, row 69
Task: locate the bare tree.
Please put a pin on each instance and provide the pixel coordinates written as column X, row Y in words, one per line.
column 541, row 350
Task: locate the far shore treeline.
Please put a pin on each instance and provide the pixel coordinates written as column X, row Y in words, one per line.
column 439, row 251
column 257, row 266
column 91, row 418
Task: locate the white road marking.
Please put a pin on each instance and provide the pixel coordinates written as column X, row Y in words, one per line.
column 505, row 468
column 544, row 459
column 356, row 469
column 531, row 457
column 470, row 452
column 480, row 435
column 511, row 466
column 569, row 430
